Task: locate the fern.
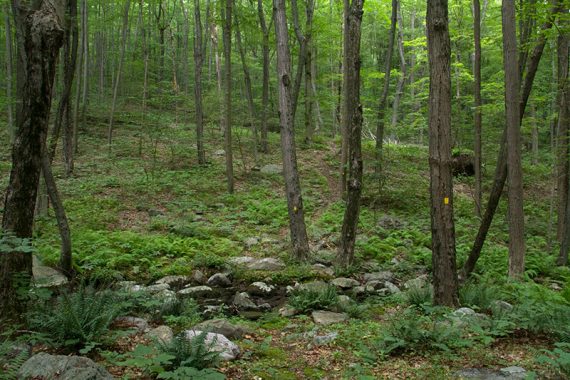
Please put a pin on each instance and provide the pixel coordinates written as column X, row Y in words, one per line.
column 195, row 353
column 11, row 360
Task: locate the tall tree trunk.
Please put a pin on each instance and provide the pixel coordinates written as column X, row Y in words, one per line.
column 344, row 132
column 227, row 39
column 185, row 48
column 119, row 70
column 513, row 120
column 403, row 73
column 9, row 70
column 265, row 85
column 309, row 123
column 39, row 36
column 477, row 96
column 301, row 58
column 384, row 95
column 299, row 239
column 198, row 62
column 534, row 141
column 354, row 126
column 501, row 169
column 445, row 282
column 86, row 57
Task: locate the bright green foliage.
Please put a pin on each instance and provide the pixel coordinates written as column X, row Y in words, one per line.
column 419, row 296
column 195, row 352
column 10, row 360
column 305, row 300
column 558, row 358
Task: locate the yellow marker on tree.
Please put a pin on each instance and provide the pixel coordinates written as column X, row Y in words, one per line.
column 446, row 200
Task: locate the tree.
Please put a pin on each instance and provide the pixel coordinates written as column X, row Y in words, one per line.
column 39, row 37
column 198, row 62
column 265, row 85
column 299, row 239
column 514, row 166
column 445, row 282
column 477, row 97
column 354, row 126
column 9, row 70
column 227, row 120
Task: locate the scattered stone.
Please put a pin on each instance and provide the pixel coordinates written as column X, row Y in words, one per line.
column 499, row 306
column 212, row 310
column 165, row 296
column 250, row 242
column 556, row 287
column 513, row 372
column 321, row 340
column 359, row 290
column 196, row 291
column 379, row 276
column 243, row 302
column 198, row 277
column 162, row 334
column 418, row 282
column 463, row 312
column 328, row 317
column 219, row 279
column 323, row 270
column 392, row 289
column 314, row 286
column 152, row 289
column 131, row 322
column 176, row 282
column 272, row 169
column 129, row 286
column 259, row 288
column 287, row 311
column 46, row 277
column 370, row 266
column 241, row 260
column 345, row 283
column 252, row 315
column 325, row 257
column 268, row 263
column 217, row 342
column 375, row 285
column 61, row 367
column 219, row 152
column 221, row 326
column 389, row 222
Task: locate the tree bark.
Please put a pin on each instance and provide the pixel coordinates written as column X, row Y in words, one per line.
column 343, row 112
column 403, row 73
column 308, row 65
column 265, row 84
column 445, row 282
column 301, row 58
column 299, row 239
column 119, row 70
column 9, row 58
column 477, row 97
column 40, row 36
column 513, row 121
column 354, row 126
column 227, row 40
column 198, row 62
column 384, row 95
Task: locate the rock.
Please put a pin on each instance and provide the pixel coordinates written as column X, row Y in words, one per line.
column 198, row 277
column 272, row 169
column 344, row 301
column 389, row 222
column 176, row 282
column 243, row 302
column 165, row 296
column 131, row 322
column 375, row 285
column 162, row 334
column 287, row 311
column 327, row 317
column 314, row 286
column 212, row 310
column 556, row 287
column 60, row 367
column 345, row 283
column 259, row 288
column 323, row 270
column 219, row 279
column 241, row 260
column 418, row 282
column 221, row 326
column 250, row 242
column 463, row 312
column 129, row 286
column 217, row 342
column 359, row 290
column 46, row 277
column 325, row 257
column 513, row 372
column 157, row 288
column 196, row 291
column 379, row 276
column 321, row 340
column 370, row 266
column 268, row 263
column 219, row 152
column 499, row 306
column 393, row 289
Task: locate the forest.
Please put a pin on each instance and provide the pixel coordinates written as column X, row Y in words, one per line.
column 284, row 189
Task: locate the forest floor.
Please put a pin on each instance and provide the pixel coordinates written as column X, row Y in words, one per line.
column 144, row 210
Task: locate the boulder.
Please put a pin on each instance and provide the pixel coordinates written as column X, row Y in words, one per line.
column 243, row 301
column 46, row 277
column 321, row 317
column 268, row 263
column 260, row 288
column 379, row 276
column 152, row 289
column 217, row 342
column 176, row 282
column 198, row 277
column 221, row 326
column 418, row 282
column 323, row 270
column 60, row 367
column 345, row 283
column 272, row 169
column 250, row 242
column 131, row 322
column 196, row 291
column 321, row 340
column 392, row 289
column 287, row 311
column 314, row 286
column 219, row 279
column 162, row 334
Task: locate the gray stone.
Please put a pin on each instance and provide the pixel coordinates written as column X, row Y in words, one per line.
column 499, row 306
column 219, row 279
column 268, row 263
column 418, row 282
column 259, row 288
column 212, row 310
column 345, row 283
column 241, row 260
column 513, row 372
column 359, row 290
column 196, row 291
column 393, row 289
column 379, row 276
column 165, row 296
column 131, row 322
column 46, row 277
column 328, row 317
column 221, row 326
column 323, row 270
column 243, row 302
column 162, row 334
column 314, row 286
column 463, row 312
column 375, row 285
column 272, row 169
column 198, row 277
column 217, row 342
column 250, row 242
column 344, row 301
column 176, row 282
column 152, row 289
column 321, row 340
column 556, row 287
column 325, row 257
column 60, row 367
column 287, row 311
column 219, row 152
